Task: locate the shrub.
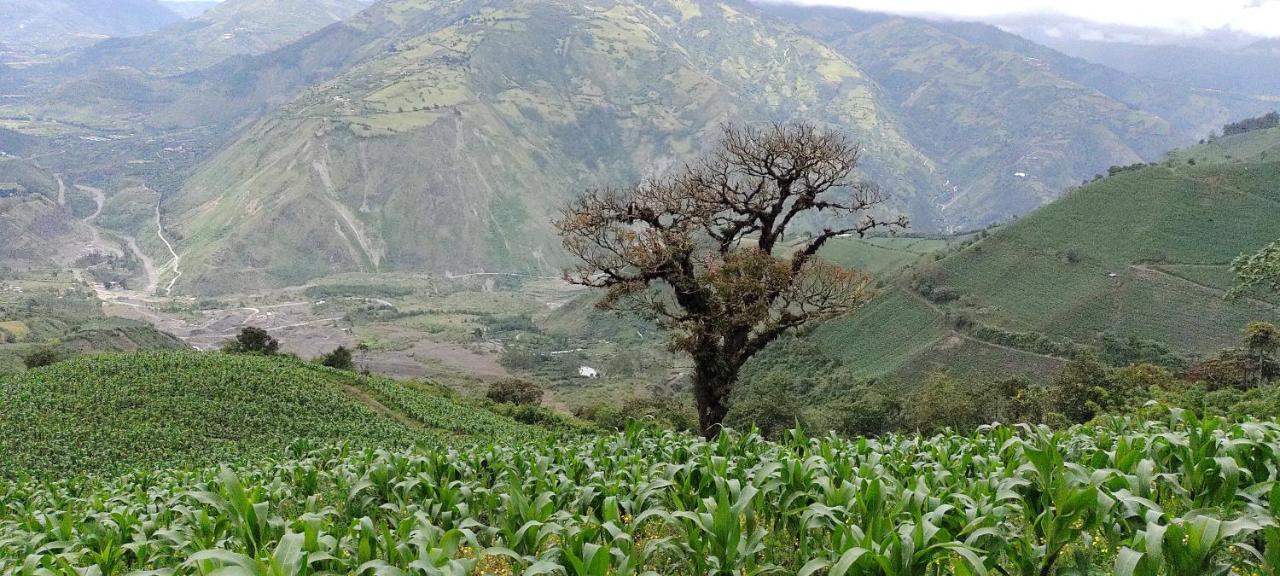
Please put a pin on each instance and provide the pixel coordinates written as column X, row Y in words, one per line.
column 666, row 412
column 1227, row 369
column 944, row 401
column 942, row 295
column 515, row 391
column 253, row 340
column 773, row 408
column 1082, row 389
column 538, row 416
column 1017, row 399
column 41, row 357
column 866, row 412
column 340, row 358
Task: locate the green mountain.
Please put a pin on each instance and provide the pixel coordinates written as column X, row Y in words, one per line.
column 1010, row 123
column 231, row 28
column 1134, row 265
column 450, row 147
column 46, row 309
column 41, row 27
column 442, row 136
column 34, row 230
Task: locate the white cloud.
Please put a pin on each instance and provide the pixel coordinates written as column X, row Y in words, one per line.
column 1185, row 17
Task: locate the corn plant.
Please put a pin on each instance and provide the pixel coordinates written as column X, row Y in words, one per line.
column 1179, row 497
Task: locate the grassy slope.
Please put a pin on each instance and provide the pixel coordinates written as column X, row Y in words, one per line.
column 880, row 257
column 114, row 412
column 1161, row 216
column 1167, row 233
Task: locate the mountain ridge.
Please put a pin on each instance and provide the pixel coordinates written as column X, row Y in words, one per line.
column 45, row 27
column 595, row 85
column 229, row 28
column 441, row 136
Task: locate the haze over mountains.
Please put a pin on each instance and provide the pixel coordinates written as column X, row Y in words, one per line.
column 1222, row 60
column 230, row 28
column 188, row 9
column 430, row 136
column 37, row 27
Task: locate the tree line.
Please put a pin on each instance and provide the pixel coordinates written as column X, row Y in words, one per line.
column 1263, row 122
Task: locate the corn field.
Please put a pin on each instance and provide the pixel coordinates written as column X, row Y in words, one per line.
column 1180, row 497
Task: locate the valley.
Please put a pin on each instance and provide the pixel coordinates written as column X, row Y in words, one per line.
column 636, row 287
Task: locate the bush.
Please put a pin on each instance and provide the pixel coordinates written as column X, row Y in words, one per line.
column 944, row 401
column 867, row 412
column 252, row 340
column 1084, row 389
column 515, row 391
column 538, row 416
column 340, row 358
column 1017, row 400
column 942, row 295
column 668, row 413
column 772, row 408
column 42, row 357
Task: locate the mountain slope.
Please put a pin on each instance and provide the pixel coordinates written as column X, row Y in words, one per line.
column 231, row 28
column 1237, row 64
column 1135, row 265
column 1011, row 123
column 48, row 26
column 441, row 136
column 452, row 149
column 188, row 9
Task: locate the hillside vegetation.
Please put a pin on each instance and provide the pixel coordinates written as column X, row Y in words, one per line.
column 51, row 312
column 106, row 414
column 43, row 27
column 440, row 136
column 1135, row 265
column 519, row 105
column 230, row 28
column 1175, row 497
column 466, row 124
column 1011, row 123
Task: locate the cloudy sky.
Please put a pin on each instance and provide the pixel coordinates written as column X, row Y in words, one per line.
column 1183, row 17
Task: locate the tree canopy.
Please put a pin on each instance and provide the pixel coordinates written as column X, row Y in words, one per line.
column 705, row 252
column 1261, row 269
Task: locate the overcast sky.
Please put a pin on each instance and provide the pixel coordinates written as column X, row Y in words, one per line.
column 1184, row 17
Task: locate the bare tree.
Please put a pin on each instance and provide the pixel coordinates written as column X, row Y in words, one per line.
column 704, row 252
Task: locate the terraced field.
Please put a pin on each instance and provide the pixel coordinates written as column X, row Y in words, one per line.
column 1142, row 255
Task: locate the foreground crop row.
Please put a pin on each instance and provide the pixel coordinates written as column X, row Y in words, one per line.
column 1182, row 497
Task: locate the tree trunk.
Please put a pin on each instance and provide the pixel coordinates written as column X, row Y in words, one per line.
column 712, row 382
